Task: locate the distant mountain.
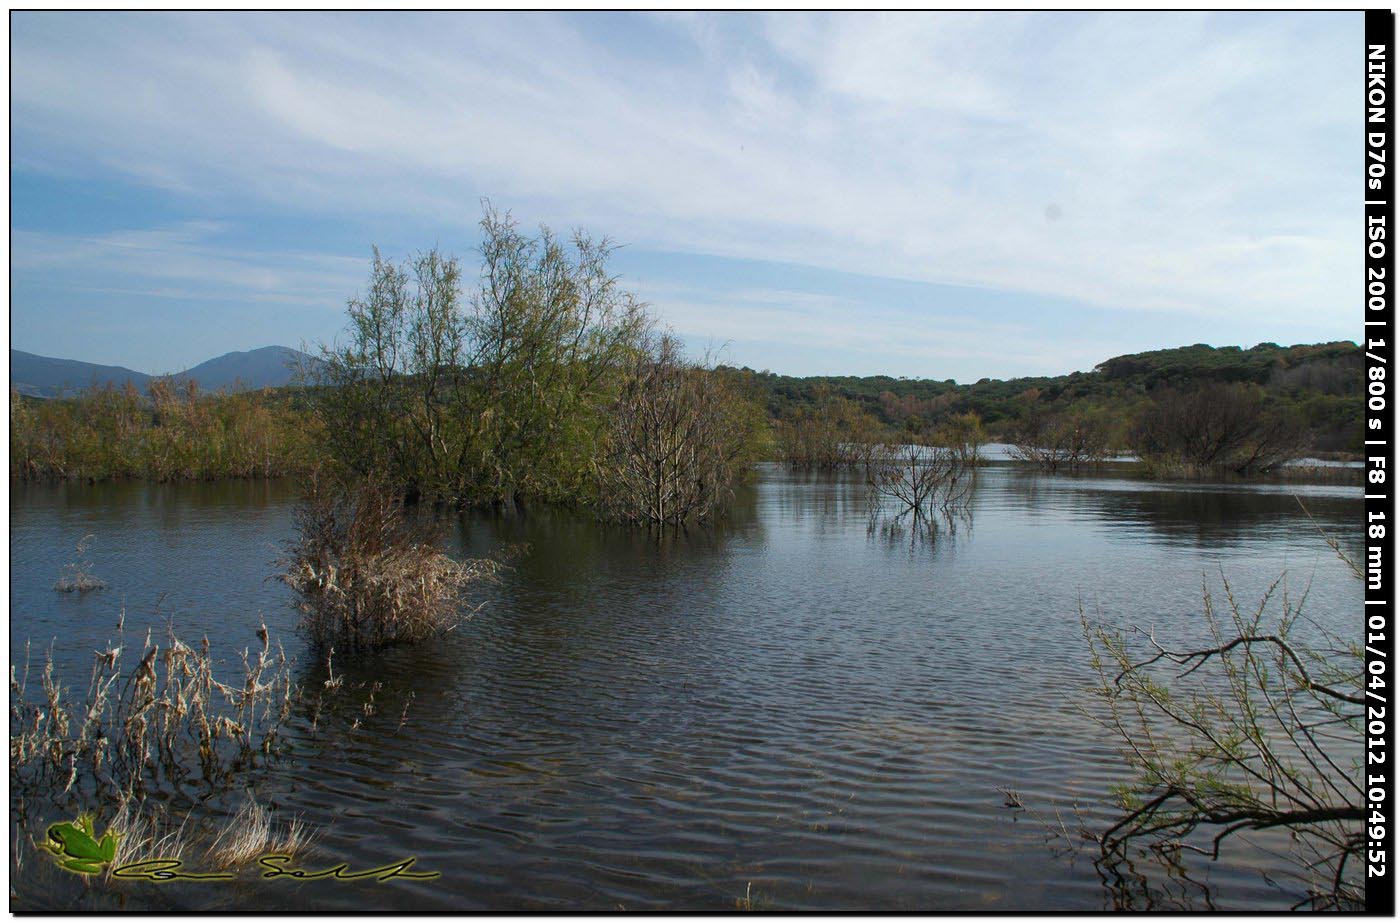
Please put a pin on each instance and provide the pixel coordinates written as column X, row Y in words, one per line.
column 270, row 366
column 41, row 376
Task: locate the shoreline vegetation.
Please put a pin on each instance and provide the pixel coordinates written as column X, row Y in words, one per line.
column 106, row 434
column 169, row 434
column 564, row 416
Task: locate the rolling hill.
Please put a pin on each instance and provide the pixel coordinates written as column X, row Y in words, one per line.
column 42, row 376
column 270, row 366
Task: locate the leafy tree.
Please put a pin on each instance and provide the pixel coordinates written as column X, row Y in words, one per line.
column 550, row 330
column 493, row 398
column 393, row 398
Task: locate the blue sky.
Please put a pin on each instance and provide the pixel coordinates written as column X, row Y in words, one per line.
column 945, row 195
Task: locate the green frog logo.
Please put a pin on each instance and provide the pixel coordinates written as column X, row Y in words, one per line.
column 75, row 846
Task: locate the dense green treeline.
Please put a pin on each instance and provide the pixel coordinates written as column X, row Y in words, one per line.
column 1319, row 387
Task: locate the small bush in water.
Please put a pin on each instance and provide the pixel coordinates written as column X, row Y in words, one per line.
column 368, row 576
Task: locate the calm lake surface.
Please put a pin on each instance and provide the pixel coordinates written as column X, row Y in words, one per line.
column 797, row 705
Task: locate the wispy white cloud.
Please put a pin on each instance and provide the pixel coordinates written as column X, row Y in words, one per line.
column 185, row 262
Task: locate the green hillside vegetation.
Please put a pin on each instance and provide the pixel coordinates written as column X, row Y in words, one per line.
column 1319, row 387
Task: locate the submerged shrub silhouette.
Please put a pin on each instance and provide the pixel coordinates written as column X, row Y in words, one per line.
column 1220, row 427
column 368, row 575
column 1068, row 441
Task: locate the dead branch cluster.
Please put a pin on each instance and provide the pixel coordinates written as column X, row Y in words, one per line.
column 1060, row 441
column 678, row 440
column 1216, row 427
column 920, row 479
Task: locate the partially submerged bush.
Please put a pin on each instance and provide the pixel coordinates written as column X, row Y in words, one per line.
column 921, row 479
column 367, row 575
column 494, row 395
column 679, row 438
column 77, row 575
column 1060, row 441
column 1220, row 427
column 836, row 432
column 964, row 435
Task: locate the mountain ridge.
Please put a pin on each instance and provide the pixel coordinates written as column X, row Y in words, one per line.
column 46, row 376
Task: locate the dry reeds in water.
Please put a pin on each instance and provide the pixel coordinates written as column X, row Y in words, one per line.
column 163, row 724
column 368, row 576
column 148, row 833
column 77, row 575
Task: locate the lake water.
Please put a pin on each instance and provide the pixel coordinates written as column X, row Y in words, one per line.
column 799, row 705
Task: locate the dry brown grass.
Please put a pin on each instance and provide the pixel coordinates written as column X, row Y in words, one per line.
column 147, row 832
column 144, row 748
column 369, row 576
column 253, row 832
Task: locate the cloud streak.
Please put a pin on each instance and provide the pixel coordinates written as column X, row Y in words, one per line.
column 185, row 262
